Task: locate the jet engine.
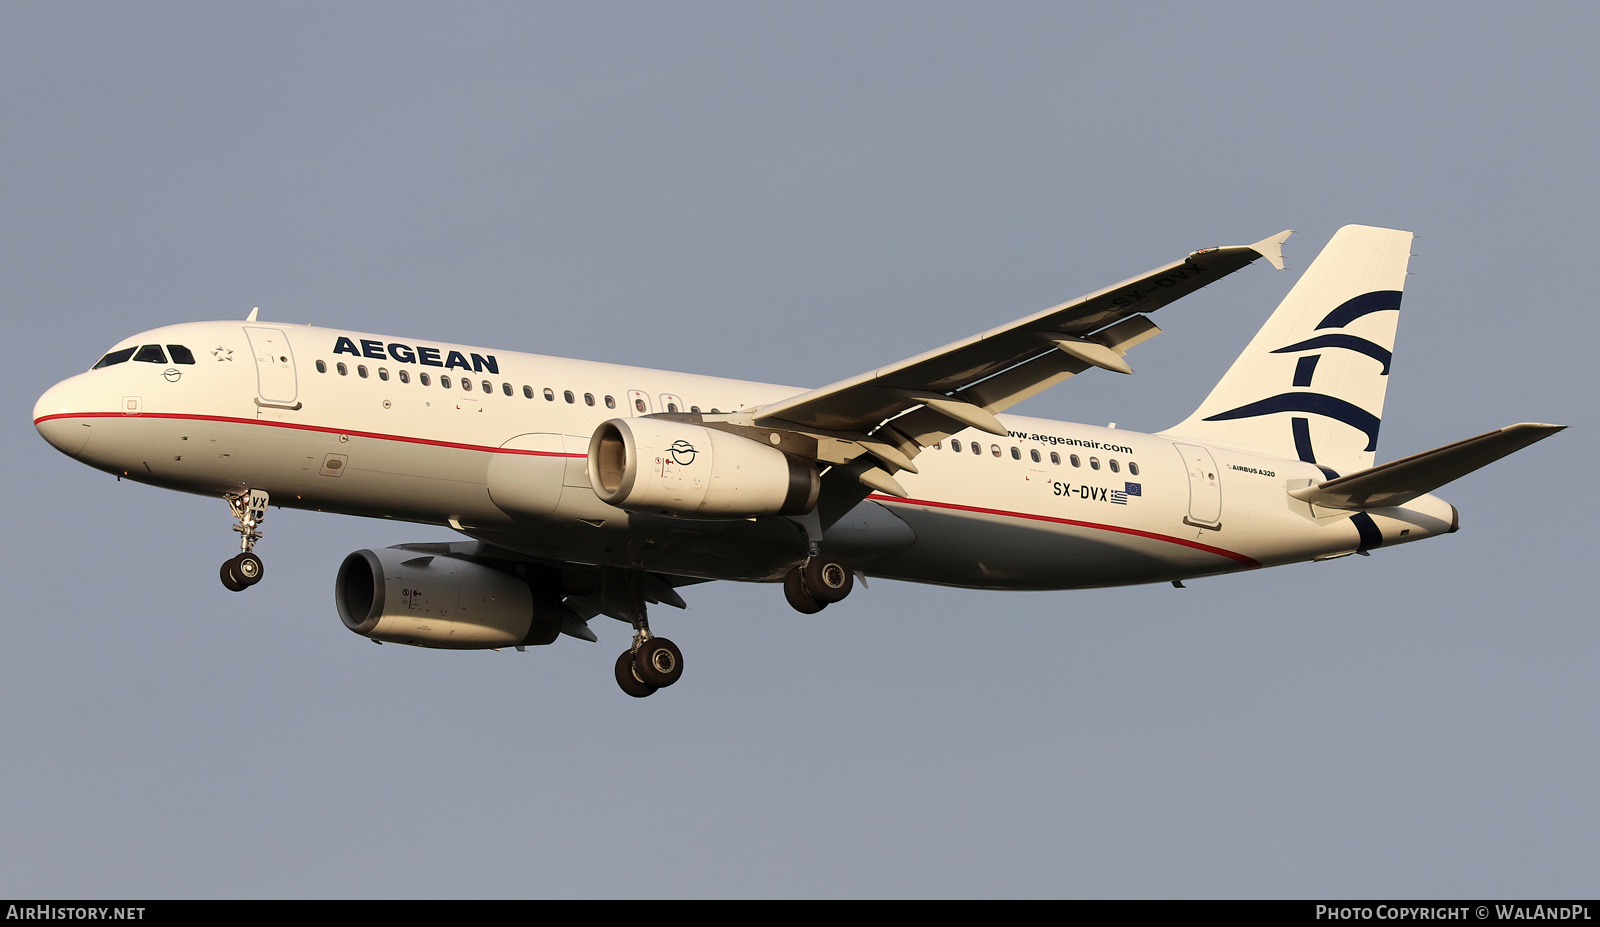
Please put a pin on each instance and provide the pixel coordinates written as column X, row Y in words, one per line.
column 659, row 467
column 428, row 600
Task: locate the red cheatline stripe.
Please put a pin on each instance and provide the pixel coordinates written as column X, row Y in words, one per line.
column 318, row 428
column 1241, row 558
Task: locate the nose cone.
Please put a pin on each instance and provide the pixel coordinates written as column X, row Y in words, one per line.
column 54, row 416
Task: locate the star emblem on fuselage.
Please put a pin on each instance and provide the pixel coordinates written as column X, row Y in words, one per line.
column 222, row 354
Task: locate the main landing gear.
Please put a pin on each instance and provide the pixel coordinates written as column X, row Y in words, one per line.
column 817, row 583
column 249, row 509
column 652, row 662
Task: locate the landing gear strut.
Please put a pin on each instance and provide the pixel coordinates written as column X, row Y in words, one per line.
column 249, row 510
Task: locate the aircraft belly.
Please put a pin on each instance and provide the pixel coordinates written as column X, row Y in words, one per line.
column 757, row 551
column 995, row 551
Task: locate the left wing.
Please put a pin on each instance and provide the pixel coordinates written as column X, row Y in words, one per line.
column 934, row 395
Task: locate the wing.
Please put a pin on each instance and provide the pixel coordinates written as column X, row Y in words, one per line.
column 894, row 411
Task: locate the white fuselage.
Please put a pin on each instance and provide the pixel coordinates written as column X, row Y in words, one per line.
column 1056, row 505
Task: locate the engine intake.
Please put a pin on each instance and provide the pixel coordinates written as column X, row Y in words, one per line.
column 406, row 597
column 660, row 467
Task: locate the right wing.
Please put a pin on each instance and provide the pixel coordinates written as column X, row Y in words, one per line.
column 874, row 423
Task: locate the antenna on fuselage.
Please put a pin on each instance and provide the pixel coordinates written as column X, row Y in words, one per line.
column 252, row 316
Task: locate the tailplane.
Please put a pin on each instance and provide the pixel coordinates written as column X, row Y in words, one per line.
column 1399, row 481
column 1310, row 385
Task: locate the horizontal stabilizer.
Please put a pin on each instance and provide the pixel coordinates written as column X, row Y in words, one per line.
column 1400, row 481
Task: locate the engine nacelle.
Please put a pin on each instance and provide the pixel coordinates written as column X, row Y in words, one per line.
column 429, row 600
column 661, row 467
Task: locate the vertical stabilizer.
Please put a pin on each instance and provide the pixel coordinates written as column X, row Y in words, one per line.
column 1310, row 385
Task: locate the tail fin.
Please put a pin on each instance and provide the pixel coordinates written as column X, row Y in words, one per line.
column 1310, row 385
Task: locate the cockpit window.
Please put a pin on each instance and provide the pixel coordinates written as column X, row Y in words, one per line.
column 180, row 354
column 115, row 357
column 151, row 354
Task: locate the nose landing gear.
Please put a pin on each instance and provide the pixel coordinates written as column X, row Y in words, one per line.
column 249, row 510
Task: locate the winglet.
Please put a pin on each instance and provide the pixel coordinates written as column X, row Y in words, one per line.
column 252, row 316
column 1272, row 248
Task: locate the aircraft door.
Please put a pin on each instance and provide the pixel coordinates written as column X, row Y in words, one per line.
column 275, row 375
column 1205, row 488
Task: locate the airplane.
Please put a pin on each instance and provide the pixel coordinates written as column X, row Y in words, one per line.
column 587, row 489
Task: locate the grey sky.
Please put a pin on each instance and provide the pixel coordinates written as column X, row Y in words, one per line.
column 797, row 193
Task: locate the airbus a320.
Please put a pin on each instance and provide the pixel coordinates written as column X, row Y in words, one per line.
column 585, row 489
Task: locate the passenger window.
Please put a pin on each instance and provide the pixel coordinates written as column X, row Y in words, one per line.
column 466, row 384
column 639, row 405
column 549, row 394
column 1075, row 461
column 115, row 357
column 424, row 379
column 151, row 354
column 527, row 392
column 489, row 387
column 1055, row 458
column 995, row 449
column 695, row 409
column 405, row 376
column 567, row 395
column 1114, row 467
column 588, row 399
column 1133, row 468
column 361, row 371
column 977, row 448
column 672, row 407
column 611, row 402
column 1035, row 455
column 1094, row 463
column 1015, row 453
column 505, row 388
column 383, row 373
column 180, row 354
column 322, row 367
column 343, row 370
column 444, row 381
